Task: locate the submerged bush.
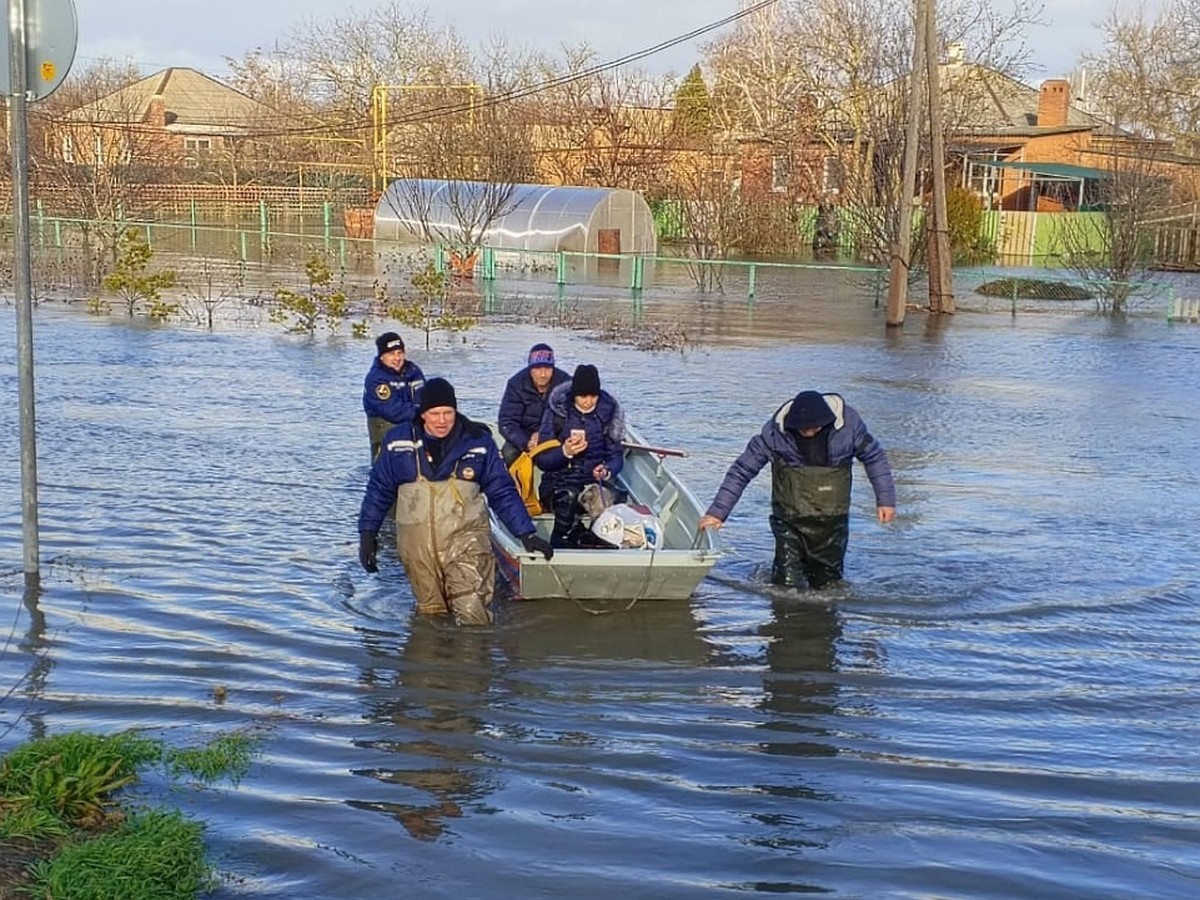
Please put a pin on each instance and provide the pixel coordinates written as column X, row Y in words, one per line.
column 1033, row 289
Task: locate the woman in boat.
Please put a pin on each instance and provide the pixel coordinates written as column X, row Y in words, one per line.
column 524, row 401
column 391, row 390
column 587, row 425
column 442, row 471
column 810, row 442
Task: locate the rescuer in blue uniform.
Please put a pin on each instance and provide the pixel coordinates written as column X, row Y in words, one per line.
column 391, row 390
column 443, row 471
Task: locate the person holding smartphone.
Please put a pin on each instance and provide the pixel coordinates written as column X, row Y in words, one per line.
column 586, row 425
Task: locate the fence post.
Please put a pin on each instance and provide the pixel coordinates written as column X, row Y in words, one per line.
column 635, row 282
column 439, row 259
column 58, row 233
column 560, row 276
column 41, row 220
column 262, row 223
column 149, row 237
column 242, row 240
column 328, row 214
column 752, row 279
column 342, row 252
column 489, row 263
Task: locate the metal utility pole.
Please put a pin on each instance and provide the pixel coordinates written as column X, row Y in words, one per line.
column 897, row 301
column 23, row 282
column 30, row 71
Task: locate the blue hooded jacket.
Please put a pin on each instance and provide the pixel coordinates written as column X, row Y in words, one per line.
column 392, row 395
column 849, row 439
column 472, row 457
column 604, row 428
column 522, row 407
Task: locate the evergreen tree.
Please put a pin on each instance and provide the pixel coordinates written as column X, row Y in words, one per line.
column 693, row 106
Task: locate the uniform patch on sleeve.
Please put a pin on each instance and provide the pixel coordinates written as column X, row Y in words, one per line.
column 383, row 392
column 468, row 474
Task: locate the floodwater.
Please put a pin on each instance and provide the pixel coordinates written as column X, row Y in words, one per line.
column 1003, row 700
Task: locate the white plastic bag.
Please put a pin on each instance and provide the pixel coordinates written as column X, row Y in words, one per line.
column 627, row 528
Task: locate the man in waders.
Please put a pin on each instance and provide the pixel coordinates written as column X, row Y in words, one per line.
column 391, row 390
column 442, row 471
column 810, row 442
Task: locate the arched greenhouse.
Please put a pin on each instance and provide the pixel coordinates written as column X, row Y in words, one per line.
column 531, row 217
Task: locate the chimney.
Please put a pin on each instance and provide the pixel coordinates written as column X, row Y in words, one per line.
column 1054, row 102
column 156, row 112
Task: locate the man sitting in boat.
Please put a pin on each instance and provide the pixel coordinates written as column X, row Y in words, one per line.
column 391, row 390
column 438, row 469
column 524, row 402
column 587, row 426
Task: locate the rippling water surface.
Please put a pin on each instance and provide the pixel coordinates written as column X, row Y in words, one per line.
column 1002, row 701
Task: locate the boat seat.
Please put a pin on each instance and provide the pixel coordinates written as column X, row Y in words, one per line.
column 664, row 503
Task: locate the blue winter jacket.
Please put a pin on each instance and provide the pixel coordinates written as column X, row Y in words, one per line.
column 604, row 428
column 521, row 407
column 392, row 395
column 473, row 457
column 848, row 440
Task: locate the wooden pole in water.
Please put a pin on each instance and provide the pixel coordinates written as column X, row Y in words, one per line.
column 941, row 290
column 897, row 299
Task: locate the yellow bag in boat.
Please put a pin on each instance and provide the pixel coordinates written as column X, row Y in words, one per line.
column 523, row 476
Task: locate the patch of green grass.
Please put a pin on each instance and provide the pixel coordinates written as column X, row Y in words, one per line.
column 62, row 834
column 1033, row 289
column 68, row 778
column 152, row 855
column 226, row 756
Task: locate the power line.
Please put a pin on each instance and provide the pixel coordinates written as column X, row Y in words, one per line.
column 547, row 85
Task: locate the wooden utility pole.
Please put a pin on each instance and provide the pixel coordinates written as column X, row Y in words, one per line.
column 941, row 290
column 897, row 301
column 925, row 98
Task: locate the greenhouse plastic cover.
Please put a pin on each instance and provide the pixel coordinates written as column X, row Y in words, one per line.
column 536, row 216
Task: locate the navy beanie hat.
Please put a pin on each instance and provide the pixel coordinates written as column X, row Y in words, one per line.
column 585, row 382
column 809, row 410
column 541, row 355
column 387, row 342
column 437, row 392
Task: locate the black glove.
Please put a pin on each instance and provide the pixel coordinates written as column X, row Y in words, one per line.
column 534, row 544
column 368, row 546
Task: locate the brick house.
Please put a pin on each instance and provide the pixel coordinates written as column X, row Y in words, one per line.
column 177, row 117
column 1017, row 147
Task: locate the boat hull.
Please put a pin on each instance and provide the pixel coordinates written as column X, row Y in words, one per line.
column 672, row 572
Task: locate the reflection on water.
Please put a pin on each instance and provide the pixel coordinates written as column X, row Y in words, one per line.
column 428, row 691
column 999, row 701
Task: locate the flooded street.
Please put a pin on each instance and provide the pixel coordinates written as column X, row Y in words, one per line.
column 1003, row 700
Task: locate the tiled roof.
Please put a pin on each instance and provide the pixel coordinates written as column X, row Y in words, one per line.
column 194, row 102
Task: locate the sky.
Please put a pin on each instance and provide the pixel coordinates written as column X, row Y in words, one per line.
column 156, row 34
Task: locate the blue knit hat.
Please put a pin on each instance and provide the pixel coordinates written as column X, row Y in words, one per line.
column 541, row 355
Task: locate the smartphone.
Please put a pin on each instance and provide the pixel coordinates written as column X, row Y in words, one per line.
column 577, row 434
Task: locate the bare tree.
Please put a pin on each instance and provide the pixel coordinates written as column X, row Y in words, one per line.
column 1144, row 83
column 93, row 157
column 460, row 162
column 827, row 82
column 711, row 213
column 1148, row 74
column 609, row 127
